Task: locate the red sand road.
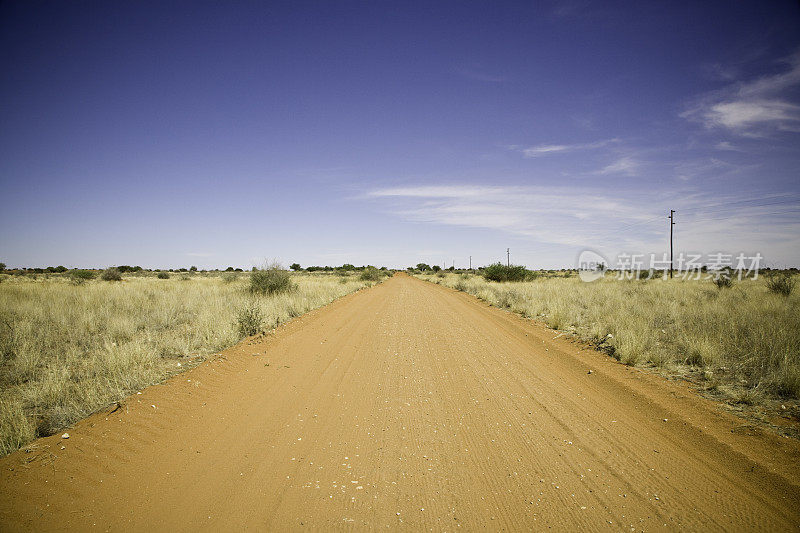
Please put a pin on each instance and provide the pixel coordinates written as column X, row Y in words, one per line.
column 407, row 406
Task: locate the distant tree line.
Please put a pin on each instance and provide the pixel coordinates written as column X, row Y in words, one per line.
column 497, row 270
column 347, row 267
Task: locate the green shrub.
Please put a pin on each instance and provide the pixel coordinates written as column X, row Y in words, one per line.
column 229, row 277
column 163, row 275
column 111, row 274
column 78, row 276
column 501, row 272
column 271, row 280
column 371, row 274
column 782, row 283
column 249, row 320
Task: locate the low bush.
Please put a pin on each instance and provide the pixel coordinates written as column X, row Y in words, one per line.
column 271, row 280
column 782, row 283
column 111, row 274
column 501, row 272
column 163, row 275
column 80, row 276
column 249, row 320
column 371, row 274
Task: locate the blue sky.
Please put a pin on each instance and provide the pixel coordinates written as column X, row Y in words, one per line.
column 169, row 134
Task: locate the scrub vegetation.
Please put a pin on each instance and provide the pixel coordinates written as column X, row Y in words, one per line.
column 73, row 343
column 742, row 342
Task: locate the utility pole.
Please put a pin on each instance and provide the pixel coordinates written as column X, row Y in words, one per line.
column 671, row 224
column 470, row 262
column 508, row 257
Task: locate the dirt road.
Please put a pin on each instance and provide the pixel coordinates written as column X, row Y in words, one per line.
column 407, row 406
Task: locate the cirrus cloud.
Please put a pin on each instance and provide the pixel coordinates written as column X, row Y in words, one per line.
column 753, row 108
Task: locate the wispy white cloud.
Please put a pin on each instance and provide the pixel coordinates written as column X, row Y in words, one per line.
column 436, row 191
column 602, row 220
column 543, row 149
column 742, row 115
column 552, row 215
column 753, row 108
column 626, row 166
column 707, row 167
column 547, row 149
column 720, row 72
column 725, row 145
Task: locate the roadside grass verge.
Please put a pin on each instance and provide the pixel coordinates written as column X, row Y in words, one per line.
column 741, row 342
column 67, row 349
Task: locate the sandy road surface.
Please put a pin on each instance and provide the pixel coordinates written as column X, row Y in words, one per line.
column 407, row 406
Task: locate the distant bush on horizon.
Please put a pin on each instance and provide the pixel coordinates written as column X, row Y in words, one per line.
column 81, row 275
column 111, row 274
column 501, row 272
column 272, row 279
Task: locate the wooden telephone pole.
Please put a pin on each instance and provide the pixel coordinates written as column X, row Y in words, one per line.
column 508, row 257
column 671, row 224
column 470, row 262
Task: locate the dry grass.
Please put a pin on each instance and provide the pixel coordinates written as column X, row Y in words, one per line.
column 744, row 339
column 67, row 350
